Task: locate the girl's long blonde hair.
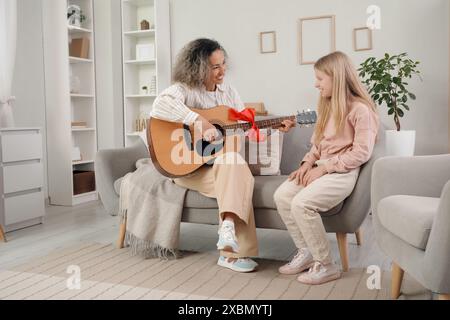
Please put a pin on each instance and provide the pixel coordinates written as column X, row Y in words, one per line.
column 347, row 87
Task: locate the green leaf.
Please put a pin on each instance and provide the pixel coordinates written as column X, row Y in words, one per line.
column 405, row 106
column 391, row 111
column 400, row 112
column 412, row 96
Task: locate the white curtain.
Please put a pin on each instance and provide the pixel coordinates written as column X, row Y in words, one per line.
column 8, row 33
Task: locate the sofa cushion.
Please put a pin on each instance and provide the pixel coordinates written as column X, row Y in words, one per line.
column 296, row 143
column 263, row 192
column 408, row 217
column 264, row 157
column 264, row 189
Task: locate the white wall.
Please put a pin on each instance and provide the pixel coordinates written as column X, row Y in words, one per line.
column 416, row 26
column 28, row 82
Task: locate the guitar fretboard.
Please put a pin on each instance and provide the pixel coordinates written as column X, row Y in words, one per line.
column 262, row 124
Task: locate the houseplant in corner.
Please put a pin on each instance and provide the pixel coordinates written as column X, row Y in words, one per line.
column 386, row 80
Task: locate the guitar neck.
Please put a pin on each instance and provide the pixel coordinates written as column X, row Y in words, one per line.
column 262, row 124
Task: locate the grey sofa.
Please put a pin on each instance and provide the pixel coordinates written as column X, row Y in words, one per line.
column 411, row 209
column 347, row 217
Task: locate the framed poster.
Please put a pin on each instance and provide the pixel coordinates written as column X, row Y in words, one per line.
column 317, row 38
column 268, row 42
column 362, row 39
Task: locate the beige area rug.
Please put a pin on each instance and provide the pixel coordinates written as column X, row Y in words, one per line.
column 109, row 273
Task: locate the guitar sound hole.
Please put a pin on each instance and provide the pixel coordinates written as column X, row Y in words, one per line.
column 207, row 149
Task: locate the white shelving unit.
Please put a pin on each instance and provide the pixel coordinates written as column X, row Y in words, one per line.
column 69, row 101
column 139, row 73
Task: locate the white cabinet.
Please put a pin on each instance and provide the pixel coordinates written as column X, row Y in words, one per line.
column 21, row 178
column 146, row 60
column 71, row 115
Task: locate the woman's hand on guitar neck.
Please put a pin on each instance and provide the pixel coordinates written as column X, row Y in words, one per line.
column 287, row 125
column 208, row 131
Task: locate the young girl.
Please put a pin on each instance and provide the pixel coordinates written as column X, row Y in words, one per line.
column 343, row 140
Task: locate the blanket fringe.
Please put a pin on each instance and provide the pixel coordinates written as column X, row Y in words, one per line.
column 148, row 249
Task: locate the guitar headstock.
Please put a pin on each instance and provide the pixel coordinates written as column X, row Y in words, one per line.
column 306, row 118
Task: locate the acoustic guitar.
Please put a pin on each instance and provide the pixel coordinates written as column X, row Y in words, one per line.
column 178, row 150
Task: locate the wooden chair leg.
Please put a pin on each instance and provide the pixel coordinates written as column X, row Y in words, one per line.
column 122, row 231
column 342, row 244
column 444, row 296
column 2, row 234
column 358, row 237
column 396, row 281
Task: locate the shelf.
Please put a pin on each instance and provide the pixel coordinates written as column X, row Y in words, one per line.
column 136, row 134
column 140, row 96
column 85, row 194
column 76, row 163
column 87, row 96
column 140, row 62
column 139, row 2
column 79, row 60
column 84, row 197
column 74, row 30
column 83, row 129
column 140, row 33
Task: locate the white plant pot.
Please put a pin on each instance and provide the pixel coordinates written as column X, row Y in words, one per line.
column 400, row 143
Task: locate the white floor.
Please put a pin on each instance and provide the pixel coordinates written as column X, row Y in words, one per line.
column 66, row 226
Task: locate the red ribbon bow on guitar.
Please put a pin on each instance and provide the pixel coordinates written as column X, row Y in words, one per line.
column 247, row 115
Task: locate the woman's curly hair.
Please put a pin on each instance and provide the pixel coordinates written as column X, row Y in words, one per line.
column 192, row 63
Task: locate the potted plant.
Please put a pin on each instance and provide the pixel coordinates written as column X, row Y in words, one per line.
column 386, row 79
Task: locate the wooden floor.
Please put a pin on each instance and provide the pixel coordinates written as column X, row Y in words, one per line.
column 68, row 226
column 108, row 273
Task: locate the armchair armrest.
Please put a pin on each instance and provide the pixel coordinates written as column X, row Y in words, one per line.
column 436, row 266
column 112, row 164
column 417, row 176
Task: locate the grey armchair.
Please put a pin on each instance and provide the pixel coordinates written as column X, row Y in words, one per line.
column 411, row 209
column 111, row 165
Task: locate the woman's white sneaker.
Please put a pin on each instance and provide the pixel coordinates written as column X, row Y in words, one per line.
column 320, row 273
column 227, row 238
column 301, row 261
column 239, row 265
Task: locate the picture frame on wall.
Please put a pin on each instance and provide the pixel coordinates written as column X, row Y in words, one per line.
column 362, row 39
column 316, row 38
column 268, row 42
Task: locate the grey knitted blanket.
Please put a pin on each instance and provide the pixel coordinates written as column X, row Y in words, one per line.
column 152, row 206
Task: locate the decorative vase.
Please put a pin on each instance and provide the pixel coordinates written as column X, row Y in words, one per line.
column 400, row 143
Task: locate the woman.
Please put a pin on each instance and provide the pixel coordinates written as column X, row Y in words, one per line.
column 199, row 83
column 343, row 141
